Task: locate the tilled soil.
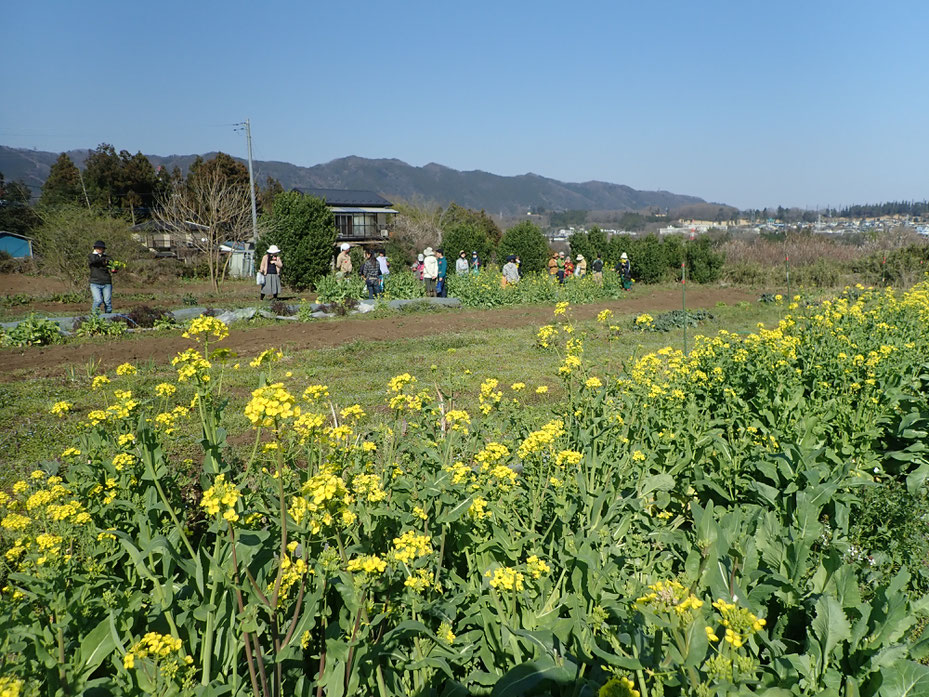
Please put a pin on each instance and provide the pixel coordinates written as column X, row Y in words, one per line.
column 50, row 361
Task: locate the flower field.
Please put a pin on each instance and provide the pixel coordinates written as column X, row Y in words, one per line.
column 675, row 525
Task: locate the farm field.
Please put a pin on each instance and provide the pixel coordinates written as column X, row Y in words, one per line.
column 524, row 501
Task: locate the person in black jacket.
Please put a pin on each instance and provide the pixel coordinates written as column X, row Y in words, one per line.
column 101, row 280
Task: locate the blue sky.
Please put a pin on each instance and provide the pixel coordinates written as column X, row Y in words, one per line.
column 752, row 103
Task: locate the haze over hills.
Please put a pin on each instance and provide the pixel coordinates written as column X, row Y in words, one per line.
column 396, row 180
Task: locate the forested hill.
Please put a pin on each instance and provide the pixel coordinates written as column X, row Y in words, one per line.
column 397, row 180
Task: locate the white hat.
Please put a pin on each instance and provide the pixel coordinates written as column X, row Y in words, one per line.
column 579, row 257
column 623, row 256
column 419, row 257
column 428, row 251
column 345, row 246
column 273, row 249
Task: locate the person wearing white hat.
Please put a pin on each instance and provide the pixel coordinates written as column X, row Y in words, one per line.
column 343, row 262
column 270, row 269
column 624, row 269
column 580, row 268
column 430, row 271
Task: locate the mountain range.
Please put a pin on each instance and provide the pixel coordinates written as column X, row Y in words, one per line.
column 396, row 180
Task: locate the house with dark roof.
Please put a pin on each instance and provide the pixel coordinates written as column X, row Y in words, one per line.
column 361, row 217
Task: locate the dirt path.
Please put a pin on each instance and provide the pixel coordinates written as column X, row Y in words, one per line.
column 17, row 364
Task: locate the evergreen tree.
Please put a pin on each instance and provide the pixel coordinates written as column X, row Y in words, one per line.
column 526, row 241
column 16, row 215
column 63, row 186
column 304, row 228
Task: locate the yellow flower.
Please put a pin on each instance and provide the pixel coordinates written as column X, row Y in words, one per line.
column 619, row 687
column 411, row 546
column 604, row 316
column 562, row 308
column 541, row 389
column 537, row 568
column 314, row 392
column 638, row 456
column 165, row 389
column 99, row 382
column 517, row 386
column 445, row 633
column 368, row 564
column 457, row 420
column 126, row 369
column 61, row 408
column 270, row 405
column 398, row 382
column 352, row 413
column 593, row 383
column 505, row 578
column 267, row 358
column 221, row 494
column 204, row 325
column 70, row 452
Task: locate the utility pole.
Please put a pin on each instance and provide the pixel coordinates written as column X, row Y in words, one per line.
column 247, row 127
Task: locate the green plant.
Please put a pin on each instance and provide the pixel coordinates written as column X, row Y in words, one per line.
column 526, row 241
column 65, row 239
column 190, row 299
column 17, row 299
column 95, row 325
column 330, row 289
column 304, row 228
column 34, row 331
column 167, row 321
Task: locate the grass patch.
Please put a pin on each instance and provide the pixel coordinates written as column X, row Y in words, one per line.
column 356, row 372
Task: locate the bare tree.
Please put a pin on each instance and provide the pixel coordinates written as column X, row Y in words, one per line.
column 207, row 211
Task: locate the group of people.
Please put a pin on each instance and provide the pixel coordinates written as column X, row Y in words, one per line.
column 563, row 267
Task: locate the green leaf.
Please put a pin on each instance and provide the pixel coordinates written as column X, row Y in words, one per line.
column 907, row 680
column 524, row 678
column 830, row 626
column 95, row 647
column 657, row 482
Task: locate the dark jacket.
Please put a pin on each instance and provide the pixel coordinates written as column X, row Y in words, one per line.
column 99, row 269
column 371, row 270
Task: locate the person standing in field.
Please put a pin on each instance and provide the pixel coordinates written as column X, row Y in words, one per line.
column 475, row 263
column 510, row 271
column 417, row 267
column 559, row 261
column 461, row 264
column 384, row 266
column 553, row 264
column 597, row 267
column 580, row 269
column 271, row 266
column 101, row 278
column 624, row 269
column 371, row 272
column 441, row 284
column 343, row 262
column 430, row 271
column 568, row 268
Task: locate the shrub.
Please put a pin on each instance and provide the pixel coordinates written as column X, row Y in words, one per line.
column 649, row 263
column 330, row 289
column 526, row 241
column 304, row 228
column 34, row 331
column 704, row 263
column 404, row 284
column 65, row 240
column 467, row 237
column 95, row 325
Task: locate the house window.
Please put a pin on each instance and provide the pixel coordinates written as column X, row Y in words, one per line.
column 357, row 225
